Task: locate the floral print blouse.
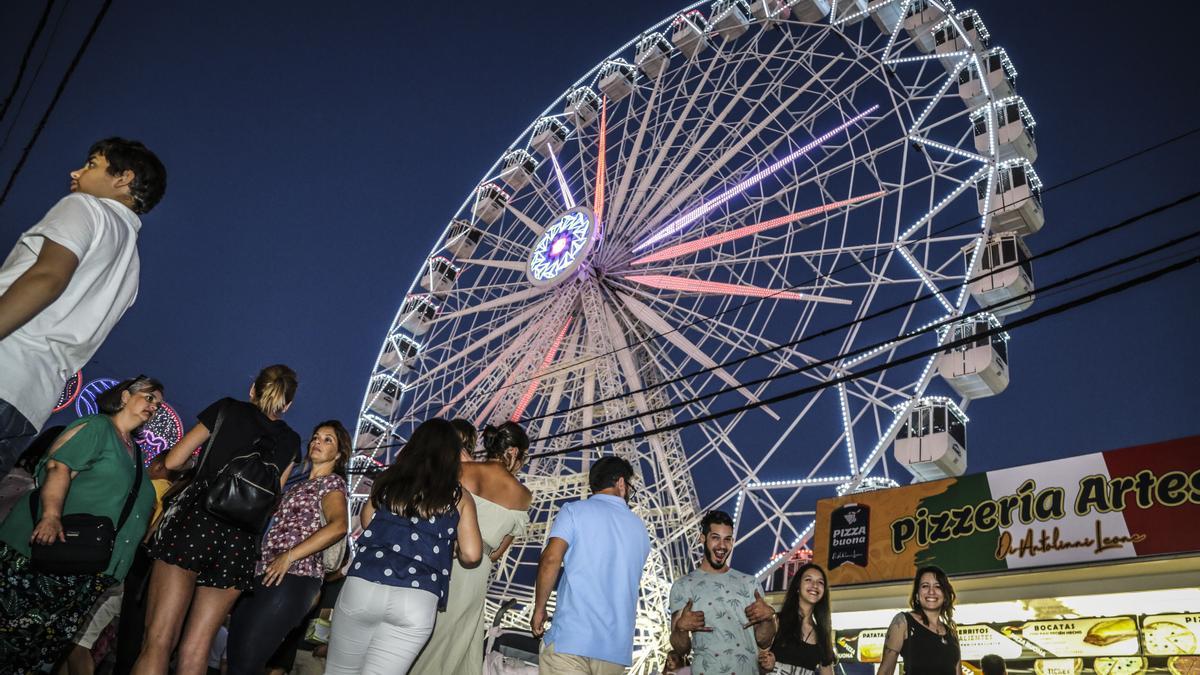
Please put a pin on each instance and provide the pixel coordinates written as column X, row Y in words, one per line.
column 296, row 519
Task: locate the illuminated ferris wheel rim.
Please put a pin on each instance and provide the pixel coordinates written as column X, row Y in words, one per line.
column 740, row 233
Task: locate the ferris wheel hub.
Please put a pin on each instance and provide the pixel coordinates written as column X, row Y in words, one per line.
column 562, row 247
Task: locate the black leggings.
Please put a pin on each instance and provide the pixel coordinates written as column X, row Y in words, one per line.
column 263, row 617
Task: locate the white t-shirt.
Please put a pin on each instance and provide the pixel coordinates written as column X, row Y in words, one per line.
column 37, row 359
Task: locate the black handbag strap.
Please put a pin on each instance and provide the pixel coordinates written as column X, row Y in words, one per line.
column 125, row 510
column 211, row 437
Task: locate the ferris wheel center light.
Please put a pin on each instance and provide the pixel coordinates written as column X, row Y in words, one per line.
column 562, row 247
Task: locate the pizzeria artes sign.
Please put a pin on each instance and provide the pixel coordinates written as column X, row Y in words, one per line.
column 1028, row 505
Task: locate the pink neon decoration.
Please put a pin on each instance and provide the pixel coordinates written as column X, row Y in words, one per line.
column 599, row 207
column 746, row 231
column 667, row 282
column 709, row 206
column 530, row 388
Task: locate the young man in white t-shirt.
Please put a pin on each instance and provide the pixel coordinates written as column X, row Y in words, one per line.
column 67, row 282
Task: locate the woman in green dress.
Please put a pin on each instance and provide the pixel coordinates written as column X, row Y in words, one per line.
column 502, row 507
column 90, row 469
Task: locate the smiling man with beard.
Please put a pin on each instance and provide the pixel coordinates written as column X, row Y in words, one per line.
column 718, row 613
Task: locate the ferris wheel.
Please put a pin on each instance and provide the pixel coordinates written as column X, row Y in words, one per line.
column 735, row 194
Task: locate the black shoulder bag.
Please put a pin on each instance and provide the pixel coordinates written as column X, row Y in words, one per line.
column 245, row 491
column 89, row 538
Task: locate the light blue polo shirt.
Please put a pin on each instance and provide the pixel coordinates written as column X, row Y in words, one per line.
column 607, row 546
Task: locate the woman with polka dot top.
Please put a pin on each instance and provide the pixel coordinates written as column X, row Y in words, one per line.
column 400, row 576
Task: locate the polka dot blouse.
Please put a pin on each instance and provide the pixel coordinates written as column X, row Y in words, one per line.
column 407, row 552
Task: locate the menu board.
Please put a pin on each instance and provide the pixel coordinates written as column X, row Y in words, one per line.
column 979, row 640
column 1110, row 636
column 1171, row 634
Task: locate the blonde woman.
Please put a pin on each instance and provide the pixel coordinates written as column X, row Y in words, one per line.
column 202, row 563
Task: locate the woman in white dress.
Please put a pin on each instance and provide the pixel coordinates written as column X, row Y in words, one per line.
column 502, row 506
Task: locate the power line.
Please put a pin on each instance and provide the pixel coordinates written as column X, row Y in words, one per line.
column 1068, row 181
column 889, row 342
column 37, row 72
column 37, row 33
column 62, row 85
column 1023, row 321
column 1044, row 290
column 874, row 315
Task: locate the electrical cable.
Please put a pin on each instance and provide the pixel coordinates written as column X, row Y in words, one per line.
column 37, row 72
column 1068, row 181
column 37, row 33
column 62, row 85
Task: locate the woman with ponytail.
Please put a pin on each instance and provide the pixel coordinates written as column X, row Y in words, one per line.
column 502, row 508
column 201, row 562
column 804, row 642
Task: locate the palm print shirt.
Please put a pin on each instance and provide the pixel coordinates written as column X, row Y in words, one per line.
column 723, row 597
column 296, row 519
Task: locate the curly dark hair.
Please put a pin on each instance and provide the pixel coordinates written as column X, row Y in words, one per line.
column 149, row 175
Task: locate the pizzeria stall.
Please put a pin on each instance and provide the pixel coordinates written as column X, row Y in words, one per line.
column 1081, row 565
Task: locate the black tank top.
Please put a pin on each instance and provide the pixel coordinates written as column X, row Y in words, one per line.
column 800, row 654
column 927, row 653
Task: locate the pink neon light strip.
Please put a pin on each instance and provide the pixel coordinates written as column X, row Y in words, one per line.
column 746, row 231
column 568, row 200
column 530, row 388
column 670, row 283
column 600, row 168
column 709, row 206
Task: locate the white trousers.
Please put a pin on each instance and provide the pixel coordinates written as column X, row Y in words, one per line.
column 378, row 629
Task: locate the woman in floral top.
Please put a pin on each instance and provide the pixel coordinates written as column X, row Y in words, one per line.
column 290, row 571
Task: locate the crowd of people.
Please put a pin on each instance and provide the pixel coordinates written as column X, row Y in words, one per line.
column 232, row 548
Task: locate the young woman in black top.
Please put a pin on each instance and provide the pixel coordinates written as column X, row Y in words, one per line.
column 804, row 642
column 925, row 637
column 202, row 563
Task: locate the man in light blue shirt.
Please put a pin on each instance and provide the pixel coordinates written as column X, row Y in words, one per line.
column 601, row 546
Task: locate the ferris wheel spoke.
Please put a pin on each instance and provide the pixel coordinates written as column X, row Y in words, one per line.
column 630, row 161
column 527, row 293
column 513, row 265
column 668, row 282
column 660, row 326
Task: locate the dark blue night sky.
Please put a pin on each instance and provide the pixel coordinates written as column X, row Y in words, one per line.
column 316, row 151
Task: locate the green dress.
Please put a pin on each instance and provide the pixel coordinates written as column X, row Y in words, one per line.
column 40, row 613
column 456, row 646
column 106, row 472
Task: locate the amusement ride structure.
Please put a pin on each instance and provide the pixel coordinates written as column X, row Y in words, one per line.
column 746, row 200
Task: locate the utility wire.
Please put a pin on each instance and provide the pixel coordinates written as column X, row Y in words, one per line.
column 1045, row 290
column 37, row 72
column 883, row 312
column 62, row 85
column 1086, row 174
column 37, row 33
column 1023, row 321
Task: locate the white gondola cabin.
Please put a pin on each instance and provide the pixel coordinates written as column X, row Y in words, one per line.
column 518, row 169
column 371, row 430
column 490, row 200
column 439, row 275
column 731, row 18
column 417, row 313
column 653, row 54
column 947, row 39
column 886, row 15
column 919, row 19
column 932, row 443
column 770, row 12
column 1014, row 129
column 583, row 105
column 1000, row 74
column 1016, row 204
column 399, row 353
column 850, row 12
column 616, row 79
column 462, row 239
column 549, row 134
column 1003, row 284
column 383, row 395
column 689, row 33
column 978, row 368
column 808, row 11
